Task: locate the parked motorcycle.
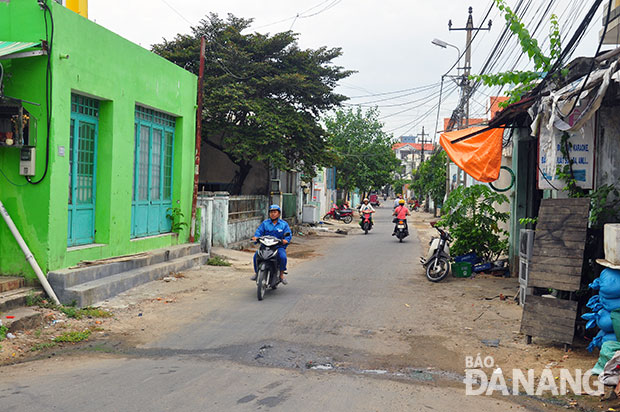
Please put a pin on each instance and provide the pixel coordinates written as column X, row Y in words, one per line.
column 437, row 261
column 366, row 222
column 346, row 215
column 268, row 275
column 401, row 229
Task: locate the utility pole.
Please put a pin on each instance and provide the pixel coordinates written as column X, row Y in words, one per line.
column 422, row 135
column 422, row 161
column 465, row 85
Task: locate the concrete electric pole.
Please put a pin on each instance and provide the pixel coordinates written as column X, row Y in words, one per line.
column 422, row 135
column 465, row 85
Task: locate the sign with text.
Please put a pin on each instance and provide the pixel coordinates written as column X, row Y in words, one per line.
column 581, row 152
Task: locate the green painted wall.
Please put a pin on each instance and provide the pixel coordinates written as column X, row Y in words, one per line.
column 90, row 60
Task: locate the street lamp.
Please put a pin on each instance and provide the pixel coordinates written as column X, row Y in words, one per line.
column 444, row 44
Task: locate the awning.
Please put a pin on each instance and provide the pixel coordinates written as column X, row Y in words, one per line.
column 10, row 49
column 480, row 155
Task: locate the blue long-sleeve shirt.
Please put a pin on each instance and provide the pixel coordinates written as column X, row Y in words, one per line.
column 279, row 229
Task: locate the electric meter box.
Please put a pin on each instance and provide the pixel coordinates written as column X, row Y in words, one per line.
column 27, row 161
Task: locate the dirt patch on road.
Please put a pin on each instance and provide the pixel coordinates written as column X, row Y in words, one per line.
column 300, row 254
column 147, row 312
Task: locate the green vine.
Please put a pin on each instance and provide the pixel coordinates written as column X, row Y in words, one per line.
column 565, row 172
column 524, row 81
column 604, row 201
column 528, row 221
column 604, row 209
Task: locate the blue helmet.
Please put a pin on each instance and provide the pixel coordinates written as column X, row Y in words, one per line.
column 275, row 207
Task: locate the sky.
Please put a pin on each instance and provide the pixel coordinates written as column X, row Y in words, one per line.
column 387, row 43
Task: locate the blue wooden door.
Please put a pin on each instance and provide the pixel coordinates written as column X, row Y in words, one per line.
column 153, row 153
column 82, row 170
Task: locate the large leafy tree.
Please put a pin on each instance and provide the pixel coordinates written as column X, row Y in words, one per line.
column 430, row 178
column 263, row 94
column 365, row 159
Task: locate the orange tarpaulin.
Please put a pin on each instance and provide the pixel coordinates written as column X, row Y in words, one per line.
column 480, row 156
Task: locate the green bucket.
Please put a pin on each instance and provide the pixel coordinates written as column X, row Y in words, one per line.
column 461, row 269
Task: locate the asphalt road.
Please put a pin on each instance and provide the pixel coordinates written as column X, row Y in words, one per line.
column 339, row 337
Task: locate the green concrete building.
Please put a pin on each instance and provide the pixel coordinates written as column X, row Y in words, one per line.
column 116, row 154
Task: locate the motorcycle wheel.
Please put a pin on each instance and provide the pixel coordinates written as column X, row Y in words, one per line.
column 365, row 231
column 261, row 284
column 436, row 272
column 327, row 217
column 347, row 219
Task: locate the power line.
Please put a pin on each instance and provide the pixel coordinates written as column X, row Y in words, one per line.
column 176, row 11
column 394, row 92
column 371, row 102
column 419, row 119
column 301, row 14
column 400, row 104
column 426, row 98
column 329, row 6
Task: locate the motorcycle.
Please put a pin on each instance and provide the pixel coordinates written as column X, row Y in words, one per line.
column 401, row 229
column 437, row 261
column 346, row 215
column 268, row 275
column 366, row 222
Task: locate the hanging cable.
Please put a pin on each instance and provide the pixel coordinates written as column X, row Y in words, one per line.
column 395, row 92
column 49, row 39
column 598, row 49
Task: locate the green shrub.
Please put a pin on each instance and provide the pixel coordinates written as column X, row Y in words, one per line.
column 218, row 261
column 73, row 337
column 43, row 345
column 76, row 313
column 472, row 220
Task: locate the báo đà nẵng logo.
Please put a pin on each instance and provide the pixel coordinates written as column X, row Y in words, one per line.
column 555, row 382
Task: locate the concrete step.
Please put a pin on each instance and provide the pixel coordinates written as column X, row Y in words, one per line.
column 16, row 298
column 94, row 291
column 66, row 278
column 11, row 283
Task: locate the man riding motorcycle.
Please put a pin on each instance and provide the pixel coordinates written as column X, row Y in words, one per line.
column 274, row 226
column 401, row 213
column 366, row 207
column 399, row 197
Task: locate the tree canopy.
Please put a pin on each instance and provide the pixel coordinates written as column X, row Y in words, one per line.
column 430, row 178
column 263, row 94
column 365, row 159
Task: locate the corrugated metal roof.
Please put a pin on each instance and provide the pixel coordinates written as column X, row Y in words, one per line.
column 10, row 47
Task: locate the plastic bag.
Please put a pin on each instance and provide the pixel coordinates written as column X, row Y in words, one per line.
column 595, row 303
column 591, row 318
column 601, row 338
column 608, row 349
column 604, row 321
column 615, row 322
column 608, row 284
column 610, row 304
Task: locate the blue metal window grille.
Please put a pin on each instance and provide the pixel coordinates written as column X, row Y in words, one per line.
column 152, row 183
column 84, row 126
